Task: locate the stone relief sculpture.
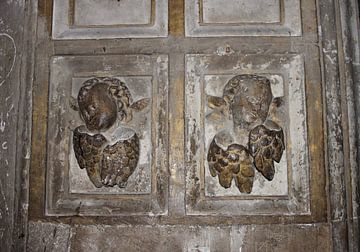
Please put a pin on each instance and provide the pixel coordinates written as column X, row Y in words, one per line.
column 253, row 141
column 110, row 160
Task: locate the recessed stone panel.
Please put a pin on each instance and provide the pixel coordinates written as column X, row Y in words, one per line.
column 244, row 11
column 246, row 135
column 107, row 152
column 86, row 13
column 95, row 19
column 209, row 18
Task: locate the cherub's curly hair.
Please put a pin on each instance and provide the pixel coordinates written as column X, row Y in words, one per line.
column 238, row 83
column 117, row 89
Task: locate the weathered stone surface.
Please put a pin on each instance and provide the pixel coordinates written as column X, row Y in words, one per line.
column 48, row 237
column 15, row 107
column 59, row 237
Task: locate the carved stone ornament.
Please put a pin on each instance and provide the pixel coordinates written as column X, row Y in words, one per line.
column 254, row 141
column 108, row 161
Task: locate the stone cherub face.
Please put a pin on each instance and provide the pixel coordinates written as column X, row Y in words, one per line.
column 247, row 98
column 97, row 106
column 102, row 100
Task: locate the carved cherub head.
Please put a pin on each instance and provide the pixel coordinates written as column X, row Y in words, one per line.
column 247, row 98
column 101, row 101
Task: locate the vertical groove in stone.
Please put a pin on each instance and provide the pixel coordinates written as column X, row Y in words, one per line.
column 11, row 50
column 329, row 24
column 349, row 16
column 24, row 129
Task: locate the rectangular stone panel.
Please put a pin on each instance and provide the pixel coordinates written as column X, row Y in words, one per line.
column 209, row 18
column 95, row 19
column 107, row 135
column 244, row 11
column 228, row 159
column 86, row 13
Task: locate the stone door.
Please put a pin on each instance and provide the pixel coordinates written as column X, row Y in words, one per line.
column 180, row 125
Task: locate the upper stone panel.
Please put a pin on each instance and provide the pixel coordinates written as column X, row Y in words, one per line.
column 80, row 19
column 86, row 12
column 245, row 11
column 208, row 18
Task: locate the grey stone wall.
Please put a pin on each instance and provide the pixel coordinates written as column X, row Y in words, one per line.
column 17, row 28
column 11, row 35
column 156, row 238
column 338, row 43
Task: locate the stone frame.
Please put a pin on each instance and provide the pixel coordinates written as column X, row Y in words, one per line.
column 289, row 25
column 63, row 28
column 59, row 199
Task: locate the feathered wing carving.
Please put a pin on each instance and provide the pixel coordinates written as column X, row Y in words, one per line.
column 119, row 161
column 88, row 152
column 235, row 162
column 266, row 146
column 106, row 165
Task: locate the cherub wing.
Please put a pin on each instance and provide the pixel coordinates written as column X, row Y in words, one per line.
column 244, row 178
column 215, row 154
column 140, row 104
column 88, row 153
column 266, row 146
column 235, row 162
column 119, row 161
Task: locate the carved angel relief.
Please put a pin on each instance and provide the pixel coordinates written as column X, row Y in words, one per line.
column 254, row 142
column 108, row 161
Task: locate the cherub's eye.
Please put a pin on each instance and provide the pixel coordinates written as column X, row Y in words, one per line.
column 92, row 108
